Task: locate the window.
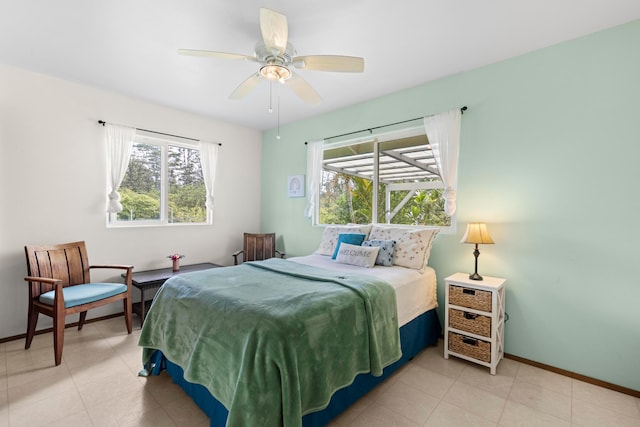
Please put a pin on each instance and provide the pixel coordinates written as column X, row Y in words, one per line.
column 163, row 184
column 392, row 178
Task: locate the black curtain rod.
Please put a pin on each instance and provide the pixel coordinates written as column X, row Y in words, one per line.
column 462, row 110
column 102, row 122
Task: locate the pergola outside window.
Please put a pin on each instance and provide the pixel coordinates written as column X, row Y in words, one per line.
column 400, row 165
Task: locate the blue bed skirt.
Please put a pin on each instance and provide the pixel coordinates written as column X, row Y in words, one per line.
column 421, row 332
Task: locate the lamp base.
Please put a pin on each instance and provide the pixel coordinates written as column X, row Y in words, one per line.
column 475, row 276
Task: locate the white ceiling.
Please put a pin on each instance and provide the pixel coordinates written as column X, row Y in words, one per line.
column 129, row 46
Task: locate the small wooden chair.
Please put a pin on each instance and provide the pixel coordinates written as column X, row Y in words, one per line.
column 258, row 247
column 59, row 285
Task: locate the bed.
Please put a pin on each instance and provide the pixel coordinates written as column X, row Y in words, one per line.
column 289, row 342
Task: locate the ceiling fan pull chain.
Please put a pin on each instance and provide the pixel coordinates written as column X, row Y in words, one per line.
column 278, row 135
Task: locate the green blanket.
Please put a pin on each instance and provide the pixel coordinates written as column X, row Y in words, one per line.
column 273, row 340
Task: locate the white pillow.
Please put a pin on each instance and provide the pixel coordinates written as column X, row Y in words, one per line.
column 330, row 236
column 413, row 246
column 361, row 256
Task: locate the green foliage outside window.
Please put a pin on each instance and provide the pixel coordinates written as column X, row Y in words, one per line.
column 187, row 203
column 138, row 206
column 348, row 199
column 140, row 191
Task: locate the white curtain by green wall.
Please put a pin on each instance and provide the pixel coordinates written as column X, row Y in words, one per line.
column 443, row 132
column 315, row 151
column 209, row 162
column 119, row 145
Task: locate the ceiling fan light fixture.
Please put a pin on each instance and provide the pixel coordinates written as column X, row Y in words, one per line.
column 275, row 72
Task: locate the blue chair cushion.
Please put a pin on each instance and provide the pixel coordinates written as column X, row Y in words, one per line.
column 82, row 294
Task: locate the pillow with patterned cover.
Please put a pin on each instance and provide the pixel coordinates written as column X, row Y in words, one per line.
column 385, row 254
column 351, row 238
column 330, row 236
column 357, row 255
column 413, row 246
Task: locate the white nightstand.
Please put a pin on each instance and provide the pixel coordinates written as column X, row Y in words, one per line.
column 474, row 319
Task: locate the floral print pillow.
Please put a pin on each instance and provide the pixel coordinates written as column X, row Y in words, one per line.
column 385, row 254
column 413, row 247
column 331, row 233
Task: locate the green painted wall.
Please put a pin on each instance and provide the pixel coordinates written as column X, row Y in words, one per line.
column 549, row 160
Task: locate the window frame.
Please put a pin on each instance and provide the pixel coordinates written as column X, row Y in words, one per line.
column 164, row 141
column 378, row 139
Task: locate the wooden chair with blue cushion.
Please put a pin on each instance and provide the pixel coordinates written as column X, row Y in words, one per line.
column 258, row 247
column 60, row 284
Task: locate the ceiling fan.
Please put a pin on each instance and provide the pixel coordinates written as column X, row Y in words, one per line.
column 276, row 57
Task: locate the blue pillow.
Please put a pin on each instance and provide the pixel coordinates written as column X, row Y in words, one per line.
column 385, row 254
column 350, row 238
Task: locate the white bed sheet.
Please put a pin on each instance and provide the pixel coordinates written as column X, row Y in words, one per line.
column 415, row 291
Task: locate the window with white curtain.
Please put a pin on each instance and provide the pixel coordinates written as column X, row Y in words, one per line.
column 163, row 184
column 389, row 178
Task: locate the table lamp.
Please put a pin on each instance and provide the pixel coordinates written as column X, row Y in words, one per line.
column 476, row 233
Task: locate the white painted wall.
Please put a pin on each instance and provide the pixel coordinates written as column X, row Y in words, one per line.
column 52, row 181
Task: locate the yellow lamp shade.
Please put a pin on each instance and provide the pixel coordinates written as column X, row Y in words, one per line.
column 477, row 233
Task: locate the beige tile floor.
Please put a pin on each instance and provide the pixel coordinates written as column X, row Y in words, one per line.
column 97, row 385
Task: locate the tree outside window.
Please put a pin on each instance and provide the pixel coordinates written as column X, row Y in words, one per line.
column 163, row 184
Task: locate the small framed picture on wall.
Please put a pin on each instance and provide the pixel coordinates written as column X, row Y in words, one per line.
column 295, row 185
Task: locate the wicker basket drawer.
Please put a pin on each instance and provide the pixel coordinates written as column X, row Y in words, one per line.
column 477, row 349
column 470, row 298
column 470, row 322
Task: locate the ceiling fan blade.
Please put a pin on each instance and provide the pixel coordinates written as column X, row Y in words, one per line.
column 303, row 89
column 213, row 54
column 344, row 64
column 274, row 31
column 246, row 86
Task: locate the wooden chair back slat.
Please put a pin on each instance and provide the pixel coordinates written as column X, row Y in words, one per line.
column 59, row 266
column 39, row 265
column 78, row 271
column 258, row 247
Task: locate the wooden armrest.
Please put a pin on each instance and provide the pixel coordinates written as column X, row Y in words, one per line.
column 235, row 256
column 127, row 275
column 120, row 266
column 49, row 280
column 282, row 254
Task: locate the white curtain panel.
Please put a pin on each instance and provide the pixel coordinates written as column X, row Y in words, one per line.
column 119, row 144
column 315, row 151
column 209, row 161
column 443, row 132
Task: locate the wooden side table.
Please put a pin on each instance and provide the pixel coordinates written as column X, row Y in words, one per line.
column 474, row 319
column 153, row 279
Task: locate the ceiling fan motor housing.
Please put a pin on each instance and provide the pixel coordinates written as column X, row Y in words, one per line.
column 275, row 63
column 265, row 56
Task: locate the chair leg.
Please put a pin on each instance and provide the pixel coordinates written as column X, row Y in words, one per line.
column 32, row 322
column 83, row 317
column 127, row 314
column 58, row 337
